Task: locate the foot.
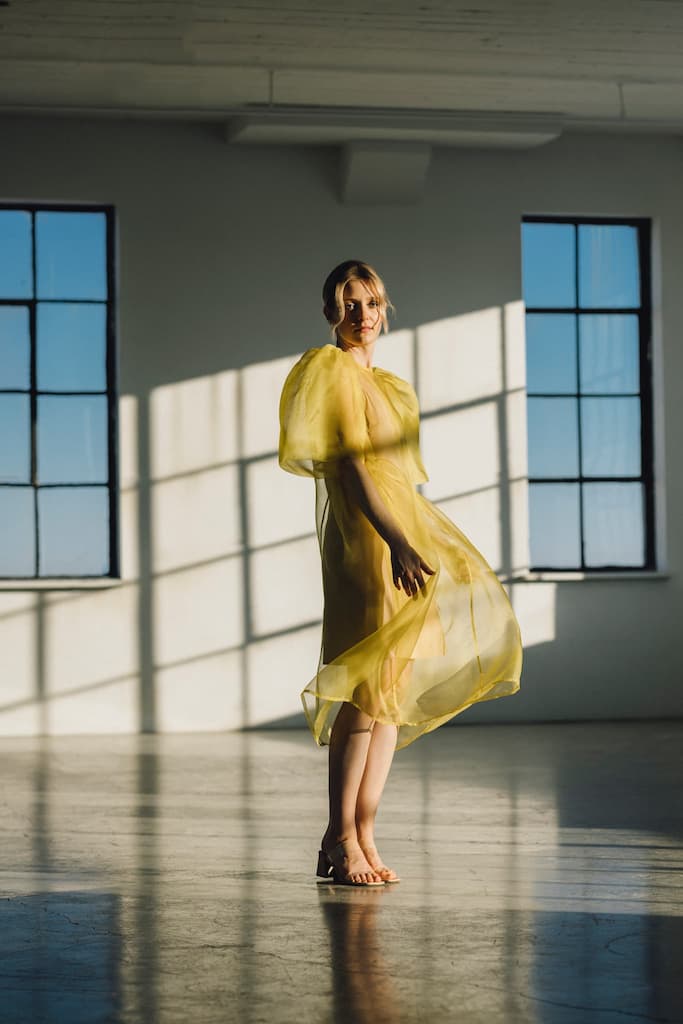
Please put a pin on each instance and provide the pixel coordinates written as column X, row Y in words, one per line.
column 351, row 865
column 375, row 861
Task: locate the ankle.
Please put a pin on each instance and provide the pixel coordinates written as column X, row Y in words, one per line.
column 333, row 836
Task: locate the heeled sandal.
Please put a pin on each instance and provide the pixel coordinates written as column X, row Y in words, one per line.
column 328, row 871
column 379, row 871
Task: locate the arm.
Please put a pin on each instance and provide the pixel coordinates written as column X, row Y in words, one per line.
column 361, row 488
column 406, row 564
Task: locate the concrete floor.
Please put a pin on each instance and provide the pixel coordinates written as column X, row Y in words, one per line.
column 162, row 879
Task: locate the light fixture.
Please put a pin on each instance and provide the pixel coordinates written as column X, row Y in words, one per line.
column 313, row 125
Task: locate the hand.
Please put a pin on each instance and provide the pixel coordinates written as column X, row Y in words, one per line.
column 407, row 567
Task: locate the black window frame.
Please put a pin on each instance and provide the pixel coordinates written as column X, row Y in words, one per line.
column 643, row 226
column 111, row 390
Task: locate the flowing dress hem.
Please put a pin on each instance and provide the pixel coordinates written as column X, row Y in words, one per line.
column 429, row 723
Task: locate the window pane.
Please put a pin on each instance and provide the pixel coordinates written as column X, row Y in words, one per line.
column 548, row 264
column 553, row 437
column 15, row 347
column 71, row 256
column 72, row 439
column 610, row 436
column 554, row 525
column 609, row 352
column 71, row 347
column 608, row 265
column 15, row 439
column 74, row 531
column 15, row 255
column 17, row 532
column 551, row 352
column 613, row 524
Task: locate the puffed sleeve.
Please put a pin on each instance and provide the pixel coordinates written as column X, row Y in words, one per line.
column 322, row 414
column 402, row 396
column 419, row 474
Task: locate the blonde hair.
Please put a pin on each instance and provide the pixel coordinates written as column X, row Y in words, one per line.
column 336, row 281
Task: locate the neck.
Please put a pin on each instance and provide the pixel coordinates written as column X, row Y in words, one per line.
column 361, row 353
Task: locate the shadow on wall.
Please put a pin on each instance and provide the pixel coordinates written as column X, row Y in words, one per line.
column 216, row 622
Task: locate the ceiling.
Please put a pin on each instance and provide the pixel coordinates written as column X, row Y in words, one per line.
column 450, row 71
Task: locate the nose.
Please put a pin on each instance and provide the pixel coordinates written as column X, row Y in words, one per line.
column 365, row 319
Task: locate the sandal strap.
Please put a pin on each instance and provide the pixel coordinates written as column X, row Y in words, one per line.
column 340, row 846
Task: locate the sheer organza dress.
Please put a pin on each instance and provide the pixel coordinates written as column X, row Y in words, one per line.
column 414, row 661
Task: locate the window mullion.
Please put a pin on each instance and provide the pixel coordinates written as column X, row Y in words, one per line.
column 33, row 396
column 578, row 393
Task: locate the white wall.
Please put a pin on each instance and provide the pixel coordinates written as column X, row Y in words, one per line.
column 222, row 255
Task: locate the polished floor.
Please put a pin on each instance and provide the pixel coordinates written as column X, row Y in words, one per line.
column 162, row 879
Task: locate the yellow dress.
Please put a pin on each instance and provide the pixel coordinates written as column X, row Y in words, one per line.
column 414, row 661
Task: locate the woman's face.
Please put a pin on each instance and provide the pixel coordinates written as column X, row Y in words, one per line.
column 362, row 321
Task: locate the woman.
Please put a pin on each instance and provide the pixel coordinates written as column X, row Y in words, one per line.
column 416, row 625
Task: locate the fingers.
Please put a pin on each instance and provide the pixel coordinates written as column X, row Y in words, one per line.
column 412, row 583
column 409, row 576
column 409, row 585
column 413, row 580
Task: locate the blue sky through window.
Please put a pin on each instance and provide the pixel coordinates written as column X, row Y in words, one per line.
column 68, row 250
column 583, row 385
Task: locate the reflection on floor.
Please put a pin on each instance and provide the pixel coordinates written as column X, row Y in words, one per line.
column 162, row 879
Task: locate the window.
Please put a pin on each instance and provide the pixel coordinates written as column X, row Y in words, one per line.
column 58, row 475
column 587, row 295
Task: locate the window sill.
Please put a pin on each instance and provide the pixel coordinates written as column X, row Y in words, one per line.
column 584, row 577
column 104, row 583
column 519, row 577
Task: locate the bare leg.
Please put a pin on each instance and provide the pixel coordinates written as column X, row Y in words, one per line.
column 377, row 765
column 349, row 742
